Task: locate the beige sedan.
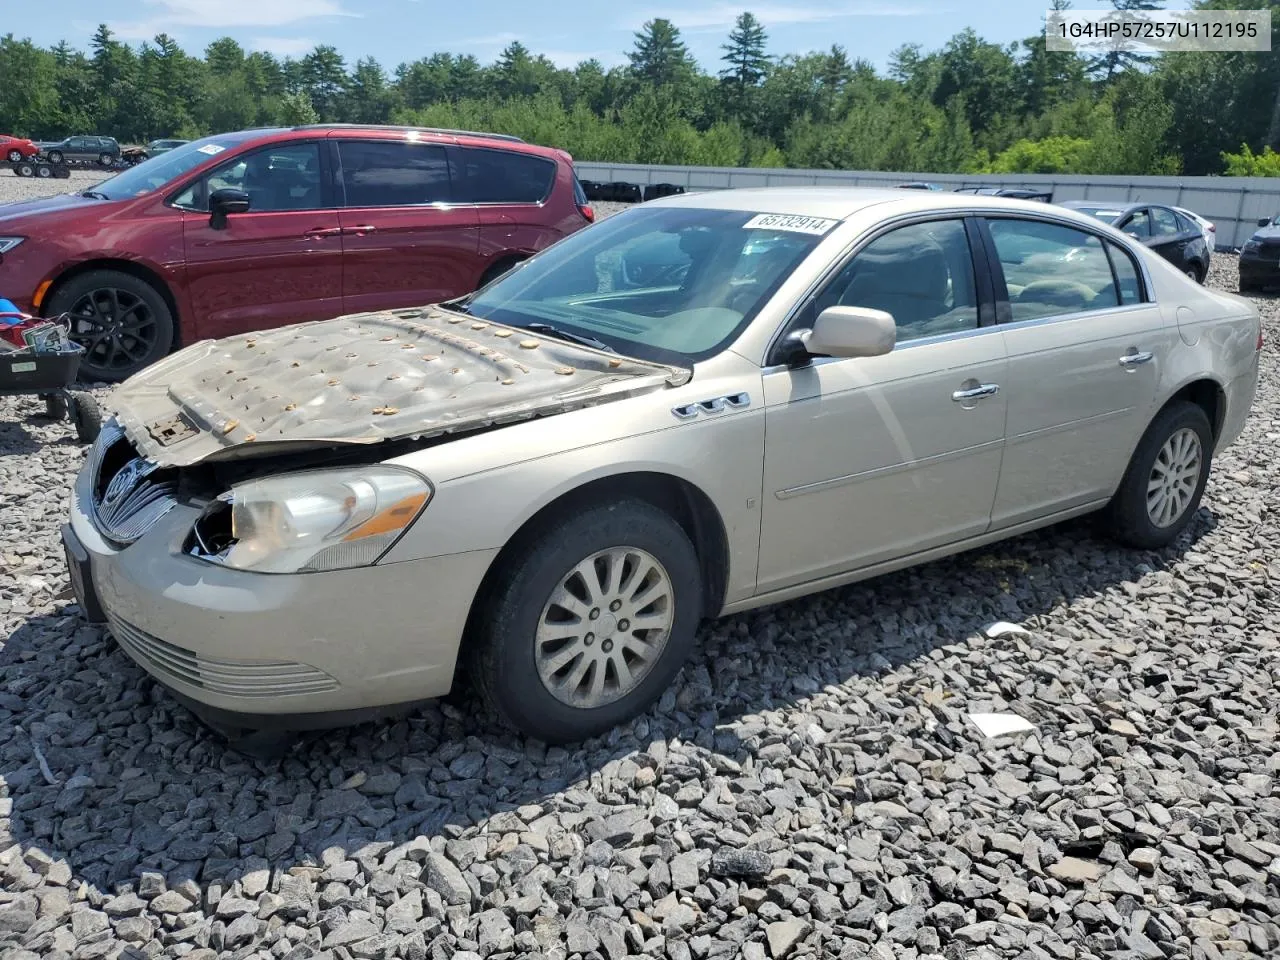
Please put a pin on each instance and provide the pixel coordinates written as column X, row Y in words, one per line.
column 705, row 404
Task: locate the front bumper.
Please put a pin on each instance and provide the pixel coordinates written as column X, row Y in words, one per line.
column 1259, row 271
column 305, row 650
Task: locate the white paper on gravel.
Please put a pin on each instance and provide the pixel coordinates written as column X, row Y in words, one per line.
column 1000, row 724
column 1002, row 628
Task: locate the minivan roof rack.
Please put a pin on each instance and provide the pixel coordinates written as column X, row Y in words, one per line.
column 387, row 126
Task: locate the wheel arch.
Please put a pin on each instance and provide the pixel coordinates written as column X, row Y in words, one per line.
column 502, row 263
column 1206, row 393
column 682, row 500
column 132, row 267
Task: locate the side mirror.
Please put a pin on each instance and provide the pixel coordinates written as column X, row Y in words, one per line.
column 225, row 201
column 1264, row 221
column 851, row 332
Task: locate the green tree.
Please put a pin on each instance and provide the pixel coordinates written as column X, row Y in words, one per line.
column 296, row 110
column 322, row 75
column 1120, row 58
column 746, row 62
column 660, row 58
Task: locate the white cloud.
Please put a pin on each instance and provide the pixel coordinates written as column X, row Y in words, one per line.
column 722, row 15
column 283, row 46
column 176, row 16
column 571, row 58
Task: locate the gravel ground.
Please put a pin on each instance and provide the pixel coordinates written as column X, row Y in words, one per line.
column 810, row 787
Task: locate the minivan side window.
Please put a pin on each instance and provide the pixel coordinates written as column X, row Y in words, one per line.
column 285, row 177
column 1051, row 269
column 502, row 176
column 393, row 173
column 922, row 274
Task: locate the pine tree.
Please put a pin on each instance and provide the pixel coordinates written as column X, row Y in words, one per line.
column 660, row 57
column 744, row 54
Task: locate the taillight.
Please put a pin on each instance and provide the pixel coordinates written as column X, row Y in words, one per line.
column 1212, row 228
column 586, row 211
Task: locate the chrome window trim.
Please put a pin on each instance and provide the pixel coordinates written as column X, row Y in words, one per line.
column 863, row 239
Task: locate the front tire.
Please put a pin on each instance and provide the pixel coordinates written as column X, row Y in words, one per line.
column 590, row 623
column 55, row 156
column 1165, row 480
column 123, row 323
column 15, row 156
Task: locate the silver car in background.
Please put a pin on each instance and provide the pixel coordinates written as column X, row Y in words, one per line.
column 699, row 406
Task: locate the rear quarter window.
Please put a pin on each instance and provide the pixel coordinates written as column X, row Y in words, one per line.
column 501, row 176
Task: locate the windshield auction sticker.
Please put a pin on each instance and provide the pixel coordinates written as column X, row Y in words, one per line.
column 781, row 221
column 212, row 149
column 1157, row 31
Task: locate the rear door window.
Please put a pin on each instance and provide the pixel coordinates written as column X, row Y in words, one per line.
column 502, row 176
column 1051, row 270
column 393, row 173
column 1126, row 271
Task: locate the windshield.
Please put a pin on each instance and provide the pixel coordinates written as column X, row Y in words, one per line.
column 158, row 171
column 666, row 284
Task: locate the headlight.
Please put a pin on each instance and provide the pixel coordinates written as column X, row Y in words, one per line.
column 8, row 243
column 1251, row 246
column 322, row 519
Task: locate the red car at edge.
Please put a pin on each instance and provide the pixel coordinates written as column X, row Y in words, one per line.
column 262, row 228
column 17, row 149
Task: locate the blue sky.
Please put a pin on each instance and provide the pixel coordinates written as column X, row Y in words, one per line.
column 567, row 30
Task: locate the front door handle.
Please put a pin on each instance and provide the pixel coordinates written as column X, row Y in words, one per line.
column 361, row 230
column 319, row 233
column 976, row 393
column 1131, row 360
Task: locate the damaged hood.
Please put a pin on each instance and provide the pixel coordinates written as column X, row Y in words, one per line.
column 363, row 379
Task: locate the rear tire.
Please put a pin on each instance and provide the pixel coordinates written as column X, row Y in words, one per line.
column 525, row 629
column 1165, row 480
column 25, row 170
column 44, row 171
column 123, row 322
column 105, row 159
column 496, row 271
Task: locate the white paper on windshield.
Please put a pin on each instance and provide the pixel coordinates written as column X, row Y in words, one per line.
column 792, row 224
column 210, row 148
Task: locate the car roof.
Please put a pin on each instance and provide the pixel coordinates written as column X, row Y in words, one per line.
column 1123, row 207
column 389, row 132
column 840, row 202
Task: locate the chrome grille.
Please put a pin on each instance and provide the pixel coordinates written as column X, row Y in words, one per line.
column 131, row 501
column 234, row 678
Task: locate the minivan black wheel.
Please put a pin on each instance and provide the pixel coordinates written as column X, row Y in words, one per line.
column 1165, row 480
column 123, row 322
column 55, row 156
column 590, row 623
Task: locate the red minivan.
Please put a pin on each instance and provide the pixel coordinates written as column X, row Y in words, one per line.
column 261, row 228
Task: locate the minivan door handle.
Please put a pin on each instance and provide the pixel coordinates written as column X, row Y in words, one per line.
column 1131, row 360
column 319, row 233
column 976, row 393
column 361, row 230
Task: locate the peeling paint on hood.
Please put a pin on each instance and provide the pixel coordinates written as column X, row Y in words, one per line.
column 362, row 379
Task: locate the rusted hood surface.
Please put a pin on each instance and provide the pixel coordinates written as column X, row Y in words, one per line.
column 363, row 379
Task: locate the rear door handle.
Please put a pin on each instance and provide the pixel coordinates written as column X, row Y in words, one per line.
column 318, row 233
column 361, row 230
column 976, row 393
column 1131, row 360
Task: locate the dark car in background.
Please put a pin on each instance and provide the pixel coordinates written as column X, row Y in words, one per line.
column 1173, row 235
column 104, row 150
column 1016, row 193
column 17, row 149
column 1260, row 257
column 156, row 147
column 262, row 228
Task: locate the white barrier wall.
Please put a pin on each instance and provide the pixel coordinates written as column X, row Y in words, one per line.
column 1234, row 204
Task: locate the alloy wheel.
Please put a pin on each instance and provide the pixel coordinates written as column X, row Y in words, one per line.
column 605, row 627
column 15, row 156
column 1174, row 478
column 116, row 328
